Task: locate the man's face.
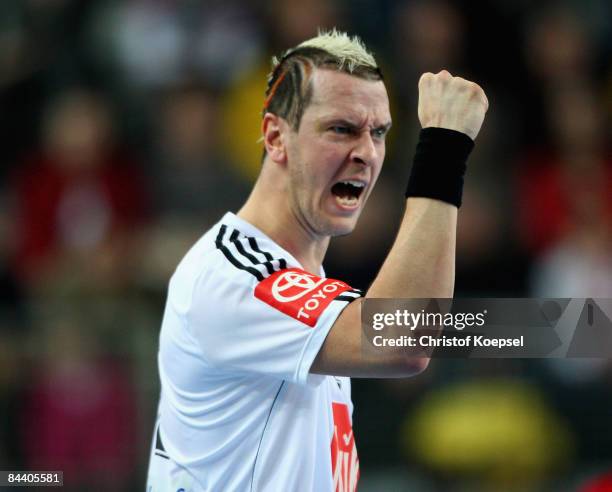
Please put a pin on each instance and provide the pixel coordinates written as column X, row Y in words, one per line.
column 335, row 157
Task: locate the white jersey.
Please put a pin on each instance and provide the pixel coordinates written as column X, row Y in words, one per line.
column 239, row 410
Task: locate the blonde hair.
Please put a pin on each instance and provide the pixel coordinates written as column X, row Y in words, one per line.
column 350, row 52
column 289, row 89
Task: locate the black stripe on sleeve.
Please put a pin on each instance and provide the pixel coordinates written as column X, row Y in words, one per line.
column 282, row 263
column 250, row 257
column 345, row 298
column 235, row 240
column 255, row 247
column 230, row 257
column 351, row 293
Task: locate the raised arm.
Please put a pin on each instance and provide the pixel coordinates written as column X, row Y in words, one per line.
column 421, row 263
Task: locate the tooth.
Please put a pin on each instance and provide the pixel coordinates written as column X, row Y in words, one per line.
column 357, row 184
column 347, row 201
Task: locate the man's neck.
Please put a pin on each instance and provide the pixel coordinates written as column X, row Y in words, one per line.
column 269, row 211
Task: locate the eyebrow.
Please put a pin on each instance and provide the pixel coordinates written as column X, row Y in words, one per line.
column 344, row 121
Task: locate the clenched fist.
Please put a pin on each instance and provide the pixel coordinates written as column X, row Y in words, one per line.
column 451, row 102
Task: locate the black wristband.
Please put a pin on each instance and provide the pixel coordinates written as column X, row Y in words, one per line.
column 439, row 165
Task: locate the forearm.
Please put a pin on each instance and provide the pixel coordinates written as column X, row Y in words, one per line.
column 421, row 263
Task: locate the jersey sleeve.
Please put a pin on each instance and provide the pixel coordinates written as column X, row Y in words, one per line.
column 252, row 314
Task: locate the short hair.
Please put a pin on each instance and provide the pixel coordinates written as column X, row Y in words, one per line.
column 289, row 89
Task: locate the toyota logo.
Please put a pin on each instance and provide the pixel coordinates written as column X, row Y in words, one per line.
column 302, row 282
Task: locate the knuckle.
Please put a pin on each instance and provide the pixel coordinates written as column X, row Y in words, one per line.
column 485, row 101
column 464, row 86
column 425, row 78
column 473, row 88
column 461, row 85
column 476, row 91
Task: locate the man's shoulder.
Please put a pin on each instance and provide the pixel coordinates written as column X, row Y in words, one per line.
column 200, row 257
column 231, row 252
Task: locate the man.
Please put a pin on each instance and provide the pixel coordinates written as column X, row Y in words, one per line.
column 256, row 346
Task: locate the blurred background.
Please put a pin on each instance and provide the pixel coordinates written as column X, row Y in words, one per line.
column 129, row 127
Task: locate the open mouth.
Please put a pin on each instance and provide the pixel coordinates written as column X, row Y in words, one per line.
column 347, row 193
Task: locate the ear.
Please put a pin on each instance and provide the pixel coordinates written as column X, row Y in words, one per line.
column 274, row 130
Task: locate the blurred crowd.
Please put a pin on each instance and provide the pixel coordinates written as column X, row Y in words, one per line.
column 129, row 127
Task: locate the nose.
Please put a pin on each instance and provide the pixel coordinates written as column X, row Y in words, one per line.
column 365, row 151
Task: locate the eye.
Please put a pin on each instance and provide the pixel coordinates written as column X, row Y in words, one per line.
column 341, row 130
column 379, row 133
